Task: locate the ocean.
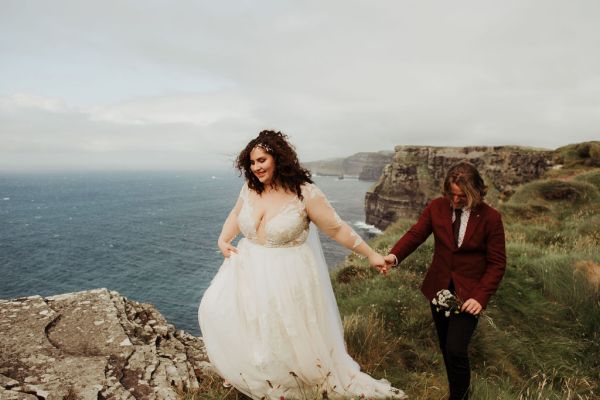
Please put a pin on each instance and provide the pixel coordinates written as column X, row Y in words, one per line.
column 151, row 236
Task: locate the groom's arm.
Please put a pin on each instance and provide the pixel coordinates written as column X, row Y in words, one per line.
column 495, row 261
column 414, row 237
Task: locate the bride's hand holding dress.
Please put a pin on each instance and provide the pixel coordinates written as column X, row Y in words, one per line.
column 230, row 231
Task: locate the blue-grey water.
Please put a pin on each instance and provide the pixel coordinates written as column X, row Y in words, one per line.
column 149, row 235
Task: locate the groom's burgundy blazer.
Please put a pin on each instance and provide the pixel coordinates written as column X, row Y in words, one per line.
column 476, row 267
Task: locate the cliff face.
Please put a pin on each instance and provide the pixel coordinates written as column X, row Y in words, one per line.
column 416, row 174
column 365, row 166
column 93, row 345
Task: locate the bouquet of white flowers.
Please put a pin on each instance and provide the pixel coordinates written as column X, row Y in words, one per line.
column 448, row 302
column 445, row 300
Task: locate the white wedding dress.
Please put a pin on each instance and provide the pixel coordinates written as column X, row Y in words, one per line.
column 269, row 318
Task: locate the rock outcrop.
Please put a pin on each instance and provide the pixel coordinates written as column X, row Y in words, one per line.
column 416, row 174
column 366, row 166
column 93, row 345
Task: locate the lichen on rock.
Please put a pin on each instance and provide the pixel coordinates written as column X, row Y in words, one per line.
column 93, row 344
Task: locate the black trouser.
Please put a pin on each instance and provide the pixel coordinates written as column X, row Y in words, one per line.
column 454, row 333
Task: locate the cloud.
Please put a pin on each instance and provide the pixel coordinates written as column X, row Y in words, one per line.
column 194, row 109
column 34, row 136
column 198, row 80
column 30, row 101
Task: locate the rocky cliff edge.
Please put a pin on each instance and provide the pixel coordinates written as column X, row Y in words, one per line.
column 93, row 344
column 416, row 174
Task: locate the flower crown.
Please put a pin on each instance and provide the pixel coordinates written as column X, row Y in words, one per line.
column 263, row 146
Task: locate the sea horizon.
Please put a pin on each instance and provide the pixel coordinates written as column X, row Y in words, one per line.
column 149, row 235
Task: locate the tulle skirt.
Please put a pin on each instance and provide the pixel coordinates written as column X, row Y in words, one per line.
column 269, row 331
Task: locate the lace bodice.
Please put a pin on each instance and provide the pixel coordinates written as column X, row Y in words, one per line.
column 289, row 225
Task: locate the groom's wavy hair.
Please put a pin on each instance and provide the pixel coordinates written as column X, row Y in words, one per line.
column 288, row 174
column 467, row 177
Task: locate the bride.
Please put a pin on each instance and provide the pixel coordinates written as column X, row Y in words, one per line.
column 269, row 318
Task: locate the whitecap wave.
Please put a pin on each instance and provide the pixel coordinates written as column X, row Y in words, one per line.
column 370, row 228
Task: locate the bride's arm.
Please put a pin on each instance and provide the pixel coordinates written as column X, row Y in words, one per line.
column 323, row 215
column 230, row 230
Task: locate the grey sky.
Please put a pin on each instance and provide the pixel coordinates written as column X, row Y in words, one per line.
column 158, row 84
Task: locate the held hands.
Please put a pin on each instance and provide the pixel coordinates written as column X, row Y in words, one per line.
column 376, row 260
column 226, row 248
column 383, row 264
column 389, row 263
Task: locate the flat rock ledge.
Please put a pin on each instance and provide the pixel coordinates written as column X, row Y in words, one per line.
column 94, row 344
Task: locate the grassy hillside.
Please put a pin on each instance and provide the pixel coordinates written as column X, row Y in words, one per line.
column 540, row 337
column 586, row 154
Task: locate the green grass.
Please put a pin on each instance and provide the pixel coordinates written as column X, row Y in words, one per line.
column 591, row 177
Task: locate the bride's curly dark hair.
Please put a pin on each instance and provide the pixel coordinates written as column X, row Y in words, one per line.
column 288, row 174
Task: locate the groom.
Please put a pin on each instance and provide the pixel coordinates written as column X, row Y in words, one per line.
column 469, row 259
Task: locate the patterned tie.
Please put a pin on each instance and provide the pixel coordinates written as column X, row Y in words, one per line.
column 456, row 224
